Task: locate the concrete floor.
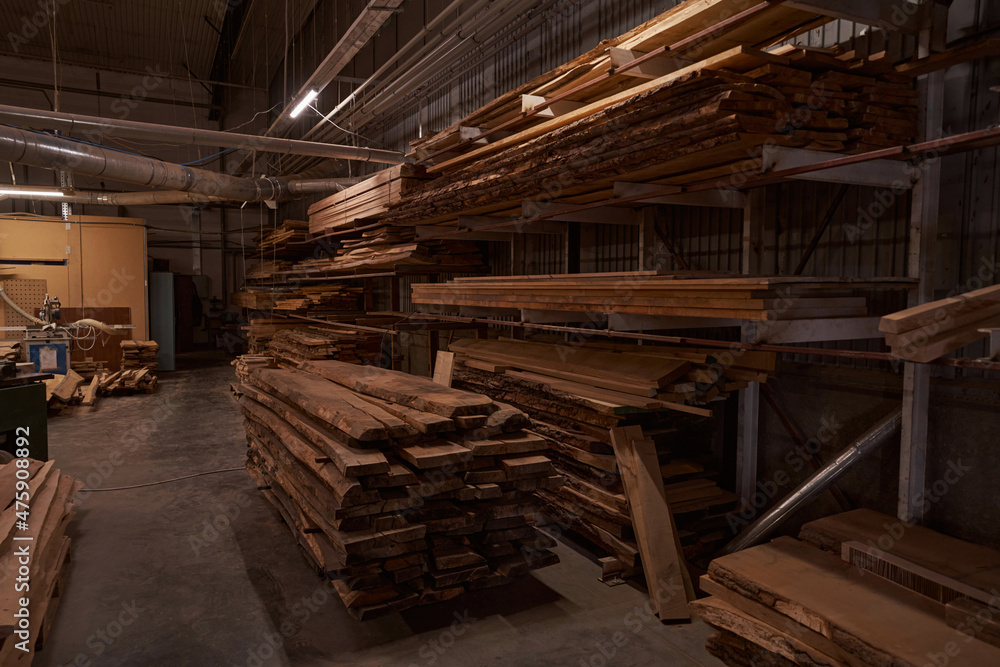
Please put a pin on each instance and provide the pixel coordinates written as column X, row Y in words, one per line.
column 203, row 572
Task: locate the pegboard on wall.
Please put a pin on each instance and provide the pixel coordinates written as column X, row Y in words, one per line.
column 29, row 294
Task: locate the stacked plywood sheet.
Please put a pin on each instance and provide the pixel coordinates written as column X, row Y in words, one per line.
column 362, row 202
column 402, row 491
column 42, row 531
column 138, row 354
column 867, row 590
column 930, row 331
column 652, row 293
column 290, row 347
column 575, row 396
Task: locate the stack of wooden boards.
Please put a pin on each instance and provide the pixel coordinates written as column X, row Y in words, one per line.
column 626, row 376
column 287, row 240
column 88, row 368
column 862, row 588
column 245, row 363
column 378, row 254
column 303, row 298
column 364, row 201
column 51, row 508
column 137, row 381
column 660, row 294
column 401, row 491
column 138, row 354
column 290, row 347
column 930, row 331
column 694, row 115
column 574, row 395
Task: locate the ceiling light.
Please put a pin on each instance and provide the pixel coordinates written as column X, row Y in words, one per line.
column 310, row 96
column 32, row 193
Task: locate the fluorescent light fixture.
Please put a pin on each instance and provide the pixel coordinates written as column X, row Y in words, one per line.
column 32, row 193
column 310, row 96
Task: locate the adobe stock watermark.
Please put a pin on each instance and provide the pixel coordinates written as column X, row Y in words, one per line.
column 635, row 621
column 272, row 642
column 105, row 637
column 432, row 649
column 31, row 25
column 221, row 521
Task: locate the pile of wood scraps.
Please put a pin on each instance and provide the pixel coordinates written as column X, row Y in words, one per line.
column 932, row 330
column 139, row 354
column 839, row 598
column 401, row 491
column 290, row 347
column 136, row 381
column 661, row 294
column 44, row 529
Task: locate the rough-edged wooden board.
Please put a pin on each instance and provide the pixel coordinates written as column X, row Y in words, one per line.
column 351, row 462
column 774, row 619
column 663, row 564
column 720, row 614
column 409, row 390
column 879, row 622
column 974, row 619
column 328, row 402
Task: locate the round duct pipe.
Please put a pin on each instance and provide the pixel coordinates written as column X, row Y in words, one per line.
column 48, row 152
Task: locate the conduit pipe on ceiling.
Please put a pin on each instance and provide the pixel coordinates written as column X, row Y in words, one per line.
column 417, row 68
column 94, row 127
column 48, row 152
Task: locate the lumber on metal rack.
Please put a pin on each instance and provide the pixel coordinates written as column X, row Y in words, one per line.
column 400, row 490
column 931, row 330
column 575, row 418
column 728, row 297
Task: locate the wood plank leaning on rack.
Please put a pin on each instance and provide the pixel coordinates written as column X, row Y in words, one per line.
column 667, row 577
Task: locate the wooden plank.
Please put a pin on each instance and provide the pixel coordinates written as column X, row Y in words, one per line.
column 667, row 577
column 877, row 621
column 444, row 368
column 324, row 400
column 65, row 390
column 720, row 614
column 974, row 619
column 409, row 390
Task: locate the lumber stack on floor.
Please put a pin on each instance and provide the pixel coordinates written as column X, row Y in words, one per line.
column 401, row 491
column 817, row 602
column 290, row 347
column 88, row 368
column 931, row 330
column 138, row 354
column 576, row 417
column 44, row 534
column 686, row 295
